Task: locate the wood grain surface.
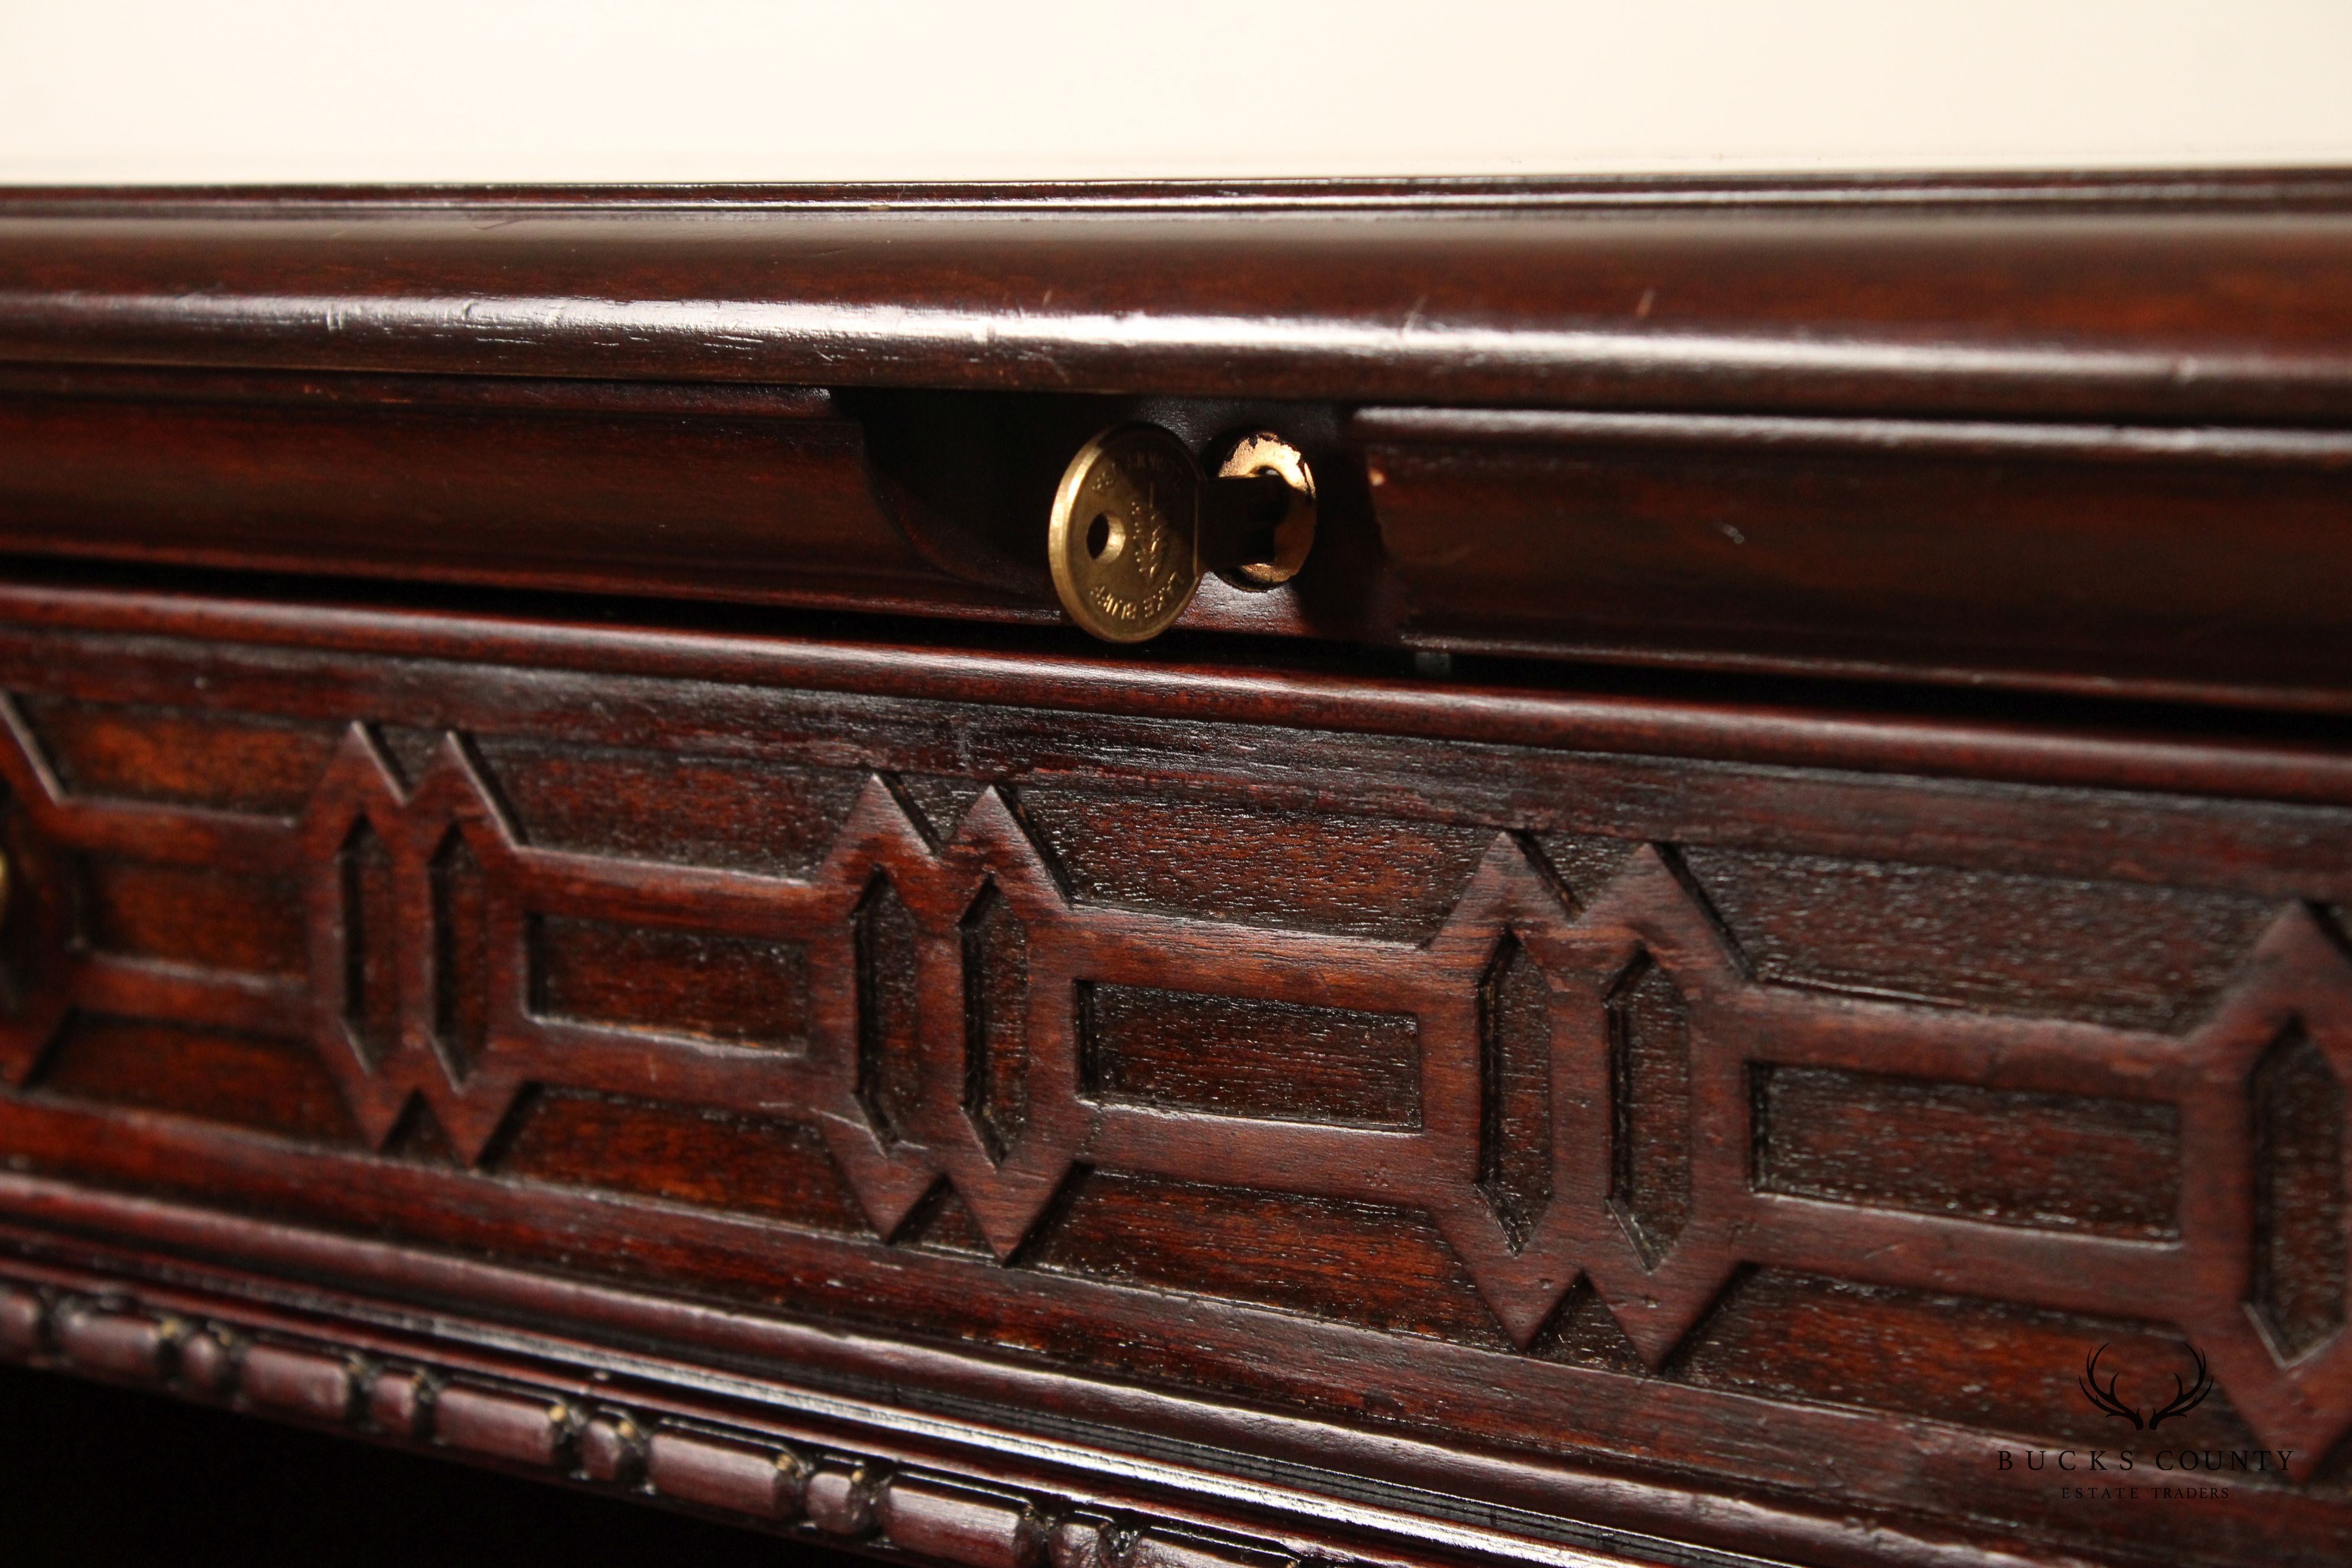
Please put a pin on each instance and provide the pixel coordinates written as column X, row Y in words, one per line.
column 1713, row 1126
column 2078, row 436
column 1751, row 966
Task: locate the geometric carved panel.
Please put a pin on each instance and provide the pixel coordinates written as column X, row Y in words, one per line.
column 1549, row 1080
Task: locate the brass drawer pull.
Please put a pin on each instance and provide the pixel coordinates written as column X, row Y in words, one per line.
column 1136, row 525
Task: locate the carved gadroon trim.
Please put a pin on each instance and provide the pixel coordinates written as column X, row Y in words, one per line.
column 744, row 1477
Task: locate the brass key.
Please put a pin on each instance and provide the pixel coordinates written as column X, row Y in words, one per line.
column 1136, row 525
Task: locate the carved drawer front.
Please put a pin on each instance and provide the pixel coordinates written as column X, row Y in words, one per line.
column 1432, row 1084
column 1717, row 931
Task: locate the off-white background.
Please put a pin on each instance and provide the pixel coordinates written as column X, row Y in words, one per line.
column 111, row 90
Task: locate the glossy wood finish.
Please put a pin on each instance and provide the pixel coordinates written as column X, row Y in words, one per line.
column 1615, row 1095
column 2108, row 302
column 2088, row 436
column 2203, row 563
column 1413, row 1195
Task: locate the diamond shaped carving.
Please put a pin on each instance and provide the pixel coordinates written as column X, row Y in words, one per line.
column 2299, row 1208
column 386, row 863
column 2261, row 1129
column 1514, row 1128
column 889, row 1066
column 995, row 1011
column 1514, row 922
column 1649, row 1097
column 370, row 952
column 461, row 939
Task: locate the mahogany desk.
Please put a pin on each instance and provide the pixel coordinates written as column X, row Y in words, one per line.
column 1749, row 964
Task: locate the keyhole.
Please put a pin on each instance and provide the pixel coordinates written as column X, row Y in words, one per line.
column 1106, row 537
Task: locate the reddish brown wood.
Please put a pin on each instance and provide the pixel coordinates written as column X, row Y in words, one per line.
column 22, row 1322
column 1007, row 1104
column 961, row 1525
column 570, row 485
column 1778, row 1048
column 841, row 1500
column 119, row 1344
column 2185, row 562
column 2087, row 304
column 399, row 1402
column 715, row 1472
column 210, row 1362
column 2076, row 435
column 2067, row 1161
column 521, row 1428
column 303, row 1383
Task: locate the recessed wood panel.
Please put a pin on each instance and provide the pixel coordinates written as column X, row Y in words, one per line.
column 1358, row 1263
column 2146, row 957
column 1515, row 1090
column 461, row 956
column 740, row 990
column 659, row 805
column 373, row 931
column 203, row 916
column 236, row 762
column 1241, row 1056
column 888, row 1061
column 240, row 1080
column 2062, row 1162
column 995, row 1020
column 1652, row 1127
column 1975, row 1361
column 2299, row 1198
column 710, row 1159
column 1357, row 876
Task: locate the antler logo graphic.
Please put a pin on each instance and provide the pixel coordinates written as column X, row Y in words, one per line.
column 2186, row 1397
column 2105, row 1397
column 2185, row 1400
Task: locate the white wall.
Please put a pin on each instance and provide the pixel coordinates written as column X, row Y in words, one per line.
column 109, row 90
